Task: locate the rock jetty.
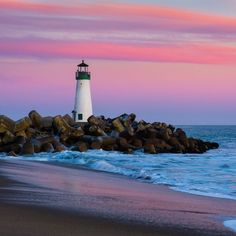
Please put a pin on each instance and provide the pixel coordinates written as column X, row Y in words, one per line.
column 34, row 134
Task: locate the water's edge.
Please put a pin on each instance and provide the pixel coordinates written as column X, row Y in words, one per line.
column 231, row 224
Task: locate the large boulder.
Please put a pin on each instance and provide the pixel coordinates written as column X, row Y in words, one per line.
column 153, row 141
column 172, row 128
column 140, row 127
column 193, row 146
column 30, row 133
column 92, row 120
column 71, row 136
column 163, row 147
column 164, row 133
column 164, row 125
column 108, row 148
column 142, row 130
column 127, row 120
column 108, row 127
column 212, row 145
column 149, row 148
column 96, row 144
column 22, row 124
column 100, row 122
column 124, row 146
column 76, row 133
column 59, row 148
column 176, row 146
column 88, row 138
column 137, row 143
column 28, row 149
column 35, row 118
column 47, row 139
column 114, row 134
column 184, row 141
column 118, row 125
column 151, row 132
column 202, row 147
column 182, row 138
column 6, row 124
column 96, row 131
column 46, row 123
column 108, row 143
column 60, row 125
column 20, row 140
column 180, row 133
column 42, row 144
column 80, row 147
column 11, row 147
column 127, row 133
column 70, row 121
column 173, row 141
column 12, row 154
column 156, row 125
column 37, row 145
column 8, row 137
column 47, row 147
column 21, row 133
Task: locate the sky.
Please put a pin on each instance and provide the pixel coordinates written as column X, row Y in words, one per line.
column 165, row 60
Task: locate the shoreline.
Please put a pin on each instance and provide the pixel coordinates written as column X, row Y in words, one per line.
column 95, row 195
column 142, row 180
column 175, row 189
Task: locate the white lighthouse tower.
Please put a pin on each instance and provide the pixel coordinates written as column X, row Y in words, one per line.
column 83, row 102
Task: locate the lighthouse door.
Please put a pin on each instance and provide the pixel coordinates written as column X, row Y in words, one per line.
column 80, row 116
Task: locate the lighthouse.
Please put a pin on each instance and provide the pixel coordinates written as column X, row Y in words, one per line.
column 83, row 101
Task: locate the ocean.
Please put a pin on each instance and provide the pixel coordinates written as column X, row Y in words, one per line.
column 210, row 174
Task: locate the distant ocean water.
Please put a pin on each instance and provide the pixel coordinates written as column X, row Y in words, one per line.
column 210, row 174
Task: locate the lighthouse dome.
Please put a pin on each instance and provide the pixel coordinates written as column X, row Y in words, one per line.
column 82, row 64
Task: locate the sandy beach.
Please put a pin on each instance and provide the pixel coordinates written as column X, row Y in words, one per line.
column 54, row 199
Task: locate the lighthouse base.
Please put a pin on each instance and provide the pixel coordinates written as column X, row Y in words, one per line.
column 78, row 117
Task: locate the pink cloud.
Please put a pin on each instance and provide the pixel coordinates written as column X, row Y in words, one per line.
column 148, row 17
column 120, row 18
column 191, row 53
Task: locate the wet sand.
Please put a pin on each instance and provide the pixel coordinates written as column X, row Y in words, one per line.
column 54, row 199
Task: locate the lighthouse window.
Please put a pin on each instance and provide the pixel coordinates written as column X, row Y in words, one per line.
column 80, row 116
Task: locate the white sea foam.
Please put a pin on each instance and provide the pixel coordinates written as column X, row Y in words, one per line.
column 231, row 224
column 206, row 194
column 105, row 166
